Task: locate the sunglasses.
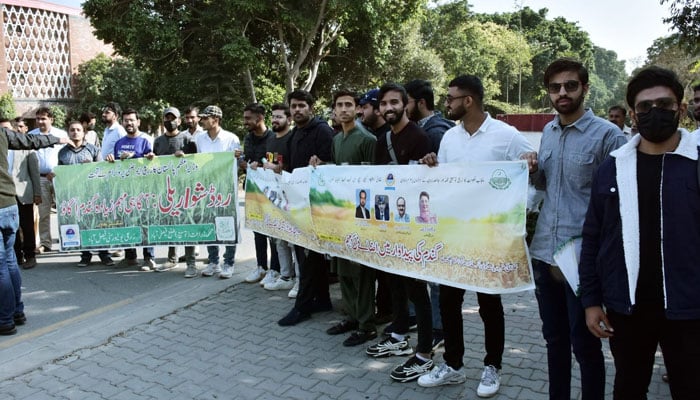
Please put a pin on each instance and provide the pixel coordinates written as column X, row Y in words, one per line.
column 665, row 103
column 569, row 86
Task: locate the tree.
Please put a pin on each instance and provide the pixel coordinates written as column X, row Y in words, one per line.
column 669, row 52
column 7, row 106
column 685, row 17
column 608, row 82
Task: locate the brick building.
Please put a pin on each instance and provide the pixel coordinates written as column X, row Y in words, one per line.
column 43, row 45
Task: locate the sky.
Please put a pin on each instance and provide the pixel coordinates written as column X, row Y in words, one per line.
column 627, row 27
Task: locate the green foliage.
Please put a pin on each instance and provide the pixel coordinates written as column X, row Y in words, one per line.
column 7, row 106
column 59, row 116
column 326, row 198
column 685, row 17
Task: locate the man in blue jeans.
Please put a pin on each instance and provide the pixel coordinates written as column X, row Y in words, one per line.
column 11, row 305
column 573, row 145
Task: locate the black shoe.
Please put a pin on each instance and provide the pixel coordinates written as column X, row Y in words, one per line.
column 342, row 327
column 294, row 317
column 107, row 260
column 359, row 337
column 321, row 306
column 182, row 259
column 20, row 318
column 412, row 369
column 8, row 330
column 84, row 262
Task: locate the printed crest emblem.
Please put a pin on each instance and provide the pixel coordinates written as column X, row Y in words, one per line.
column 499, row 180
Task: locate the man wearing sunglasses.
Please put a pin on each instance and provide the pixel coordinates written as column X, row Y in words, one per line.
column 573, row 145
column 640, row 256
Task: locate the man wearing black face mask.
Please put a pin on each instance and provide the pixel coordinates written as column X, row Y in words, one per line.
column 641, row 237
column 177, row 144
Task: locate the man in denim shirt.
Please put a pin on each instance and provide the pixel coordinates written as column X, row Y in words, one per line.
column 573, row 145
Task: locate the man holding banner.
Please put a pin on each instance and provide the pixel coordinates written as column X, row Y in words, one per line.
column 354, row 146
column 478, row 138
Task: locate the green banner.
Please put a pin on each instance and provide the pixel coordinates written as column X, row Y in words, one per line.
column 165, row 201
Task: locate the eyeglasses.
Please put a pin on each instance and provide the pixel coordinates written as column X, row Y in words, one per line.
column 665, row 103
column 569, row 86
column 450, row 99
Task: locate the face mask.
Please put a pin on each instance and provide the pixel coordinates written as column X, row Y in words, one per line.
column 658, row 124
column 170, row 125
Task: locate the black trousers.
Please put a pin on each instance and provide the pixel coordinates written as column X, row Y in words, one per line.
column 313, row 279
column 491, row 312
column 404, row 289
column 634, row 344
column 27, row 246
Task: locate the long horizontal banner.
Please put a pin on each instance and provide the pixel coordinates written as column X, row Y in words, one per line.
column 139, row 202
column 461, row 225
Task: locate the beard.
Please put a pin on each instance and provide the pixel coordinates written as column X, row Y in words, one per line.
column 456, row 114
column 570, row 107
column 278, row 127
column 392, row 117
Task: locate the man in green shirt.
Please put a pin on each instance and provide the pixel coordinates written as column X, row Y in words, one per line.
column 355, row 146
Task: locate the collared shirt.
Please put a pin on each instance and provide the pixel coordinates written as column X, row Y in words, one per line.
column 422, row 121
column 70, row 155
column 48, row 156
column 405, row 218
column 493, row 141
column 567, row 160
column 224, row 141
column 110, row 137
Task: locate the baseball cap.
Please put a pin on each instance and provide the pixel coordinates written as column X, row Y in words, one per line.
column 211, row 111
column 172, row 110
column 370, row 97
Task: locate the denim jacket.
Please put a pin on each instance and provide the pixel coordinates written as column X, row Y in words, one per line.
column 567, row 160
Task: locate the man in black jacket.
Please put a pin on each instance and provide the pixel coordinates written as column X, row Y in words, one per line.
column 310, row 136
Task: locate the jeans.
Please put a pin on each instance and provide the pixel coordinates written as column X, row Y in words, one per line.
column 564, row 327
column 10, row 278
column 435, row 305
column 491, row 312
column 285, row 258
column 634, row 347
column 261, row 252
column 148, row 253
column 404, row 289
column 229, row 254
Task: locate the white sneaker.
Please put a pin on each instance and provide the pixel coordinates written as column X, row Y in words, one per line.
column 148, row 265
column 191, row 271
column 167, row 266
column 255, row 275
column 211, row 269
column 270, row 277
column 226, row 271
column 443, row 374
column 295, row 290
column 490, row 382
column 280, row 284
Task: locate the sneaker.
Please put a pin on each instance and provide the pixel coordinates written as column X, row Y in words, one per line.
column 412, row 369
column 211, row 269
column 226, row 271
column 390, row 347
column 438, row 339
column 29, row 263
column 256, row 275
column 148, row 265
column 280, row 284
column 270, row 277
column 167, row 266
column 84, row 262
column 359, row 337
column 107, row 260
column 490, row 382
column 443, row 374
column 191, row 271
column 295, row 290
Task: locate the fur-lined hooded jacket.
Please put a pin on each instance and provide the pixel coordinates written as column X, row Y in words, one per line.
column 609, row 265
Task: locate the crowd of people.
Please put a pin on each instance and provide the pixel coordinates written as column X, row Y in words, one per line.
column 632, row 194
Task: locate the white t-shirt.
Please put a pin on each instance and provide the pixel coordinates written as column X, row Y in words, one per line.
column 493, row 141
column 110, row 137
column 224, row 141
column 48, row 156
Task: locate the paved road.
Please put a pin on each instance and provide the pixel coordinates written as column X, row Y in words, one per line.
column 133, row 335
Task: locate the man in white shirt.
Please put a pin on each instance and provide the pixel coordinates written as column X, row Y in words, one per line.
column 48, row 159
column 113, row 131
column 214, row 140
column 478, row 138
